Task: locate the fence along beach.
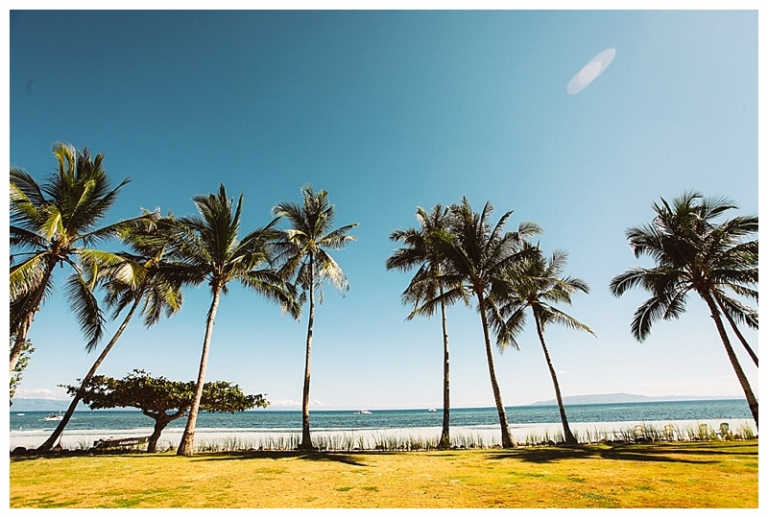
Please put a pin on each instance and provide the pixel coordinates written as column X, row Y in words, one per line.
column 404, row 429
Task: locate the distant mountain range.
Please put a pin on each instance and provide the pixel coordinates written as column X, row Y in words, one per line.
column 594, row 399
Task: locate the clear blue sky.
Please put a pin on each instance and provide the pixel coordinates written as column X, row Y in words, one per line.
column 388, row 111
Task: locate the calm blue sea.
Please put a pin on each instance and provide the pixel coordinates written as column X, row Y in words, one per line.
column 278, row 421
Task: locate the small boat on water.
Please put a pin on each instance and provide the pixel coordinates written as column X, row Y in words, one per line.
column 363, row 412
column 54, row 417
column 20, row 413
column 432, row 410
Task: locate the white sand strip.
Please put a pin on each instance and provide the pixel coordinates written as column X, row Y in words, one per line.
column 369, row 438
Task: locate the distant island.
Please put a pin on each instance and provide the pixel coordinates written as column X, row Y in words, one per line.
column 621, row 397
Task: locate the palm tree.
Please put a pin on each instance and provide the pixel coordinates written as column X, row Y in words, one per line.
column 303, row 250
column 420, row 251
column 476, row 260
column 693, row 253
column 56, row 223
column 138, row 281
column 208, row 247
column 536, row 284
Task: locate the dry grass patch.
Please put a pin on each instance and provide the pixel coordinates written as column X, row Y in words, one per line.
column 721, row 475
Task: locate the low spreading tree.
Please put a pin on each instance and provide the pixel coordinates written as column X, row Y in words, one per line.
column 161, row 399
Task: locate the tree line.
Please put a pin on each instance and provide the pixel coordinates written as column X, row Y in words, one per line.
column 458, row 254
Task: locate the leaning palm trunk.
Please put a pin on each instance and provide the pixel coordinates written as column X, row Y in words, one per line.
column 751, row 400
column 507, row 441
column 306, row 439
column 187, row 443
column 569, row 437
column 736, row 330
column 445, row 436
column 51, row 441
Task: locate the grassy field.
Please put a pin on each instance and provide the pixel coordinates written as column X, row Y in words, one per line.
column 701, row 474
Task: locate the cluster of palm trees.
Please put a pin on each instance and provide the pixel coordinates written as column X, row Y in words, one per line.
column 57, row 223
column 458, row 254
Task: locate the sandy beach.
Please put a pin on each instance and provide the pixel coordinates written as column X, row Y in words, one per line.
column 482, row 435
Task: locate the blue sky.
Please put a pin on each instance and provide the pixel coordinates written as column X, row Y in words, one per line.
column 387, row 111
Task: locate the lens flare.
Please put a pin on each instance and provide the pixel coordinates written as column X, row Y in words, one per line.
column 591, row 71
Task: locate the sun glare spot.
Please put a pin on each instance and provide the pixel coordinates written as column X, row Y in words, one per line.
column 591, row 71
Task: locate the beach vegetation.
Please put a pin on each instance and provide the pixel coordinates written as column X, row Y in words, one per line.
column 162, row 400
column 210, row 250
column 21, row 365
column 56, row 223
column 696, row 254
column 303, row 251
column 421, row 251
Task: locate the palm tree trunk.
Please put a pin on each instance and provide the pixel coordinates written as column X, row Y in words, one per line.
column 507, row 441
column 306, row 439
column 569, row 437
column 751, row 400
column 51, row 441
column 736, row 330
column 445, row 436
column 187, row 443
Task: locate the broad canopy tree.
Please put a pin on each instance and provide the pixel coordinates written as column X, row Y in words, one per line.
column 161, row 399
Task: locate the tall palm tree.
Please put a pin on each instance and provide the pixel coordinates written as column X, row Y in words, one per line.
column 137, row 281
column 694, row 253
column 536, row 284
column 303, row 251
column 420, row 251
column 56, row 223
column 476, row 260
column 208, row 247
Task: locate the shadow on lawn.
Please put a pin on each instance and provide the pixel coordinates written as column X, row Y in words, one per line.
column 625, row 452
column 322, row 456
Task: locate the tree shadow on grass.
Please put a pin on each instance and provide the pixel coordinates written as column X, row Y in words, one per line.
column 322, row 456
column 625, row 452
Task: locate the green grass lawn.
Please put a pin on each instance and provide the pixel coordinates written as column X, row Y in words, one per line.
column 702, row 474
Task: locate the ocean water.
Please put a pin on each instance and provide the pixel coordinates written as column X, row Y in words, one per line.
column 342, row 421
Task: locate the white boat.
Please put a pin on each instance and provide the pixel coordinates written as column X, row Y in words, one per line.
column 20, row 413
column 54, row 417
column 363, row 412
column 432, row 410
